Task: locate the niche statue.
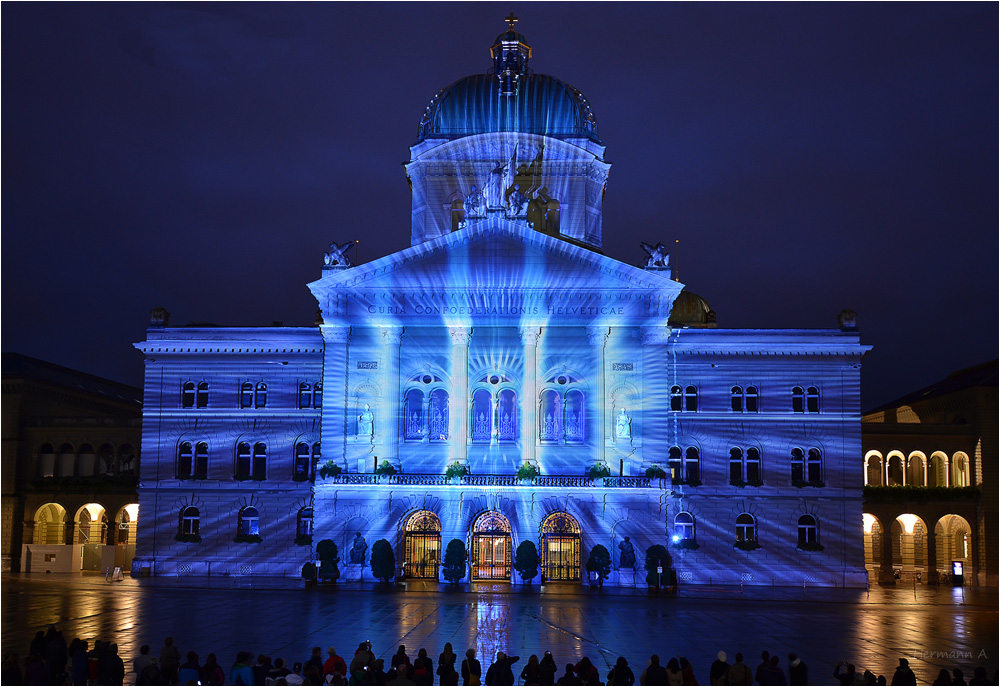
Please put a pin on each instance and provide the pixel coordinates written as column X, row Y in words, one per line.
column 626, row 559
column 623, row 425
column 366, row 422
column 359, row 549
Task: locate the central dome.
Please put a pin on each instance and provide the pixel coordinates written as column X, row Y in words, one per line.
column 509, row 98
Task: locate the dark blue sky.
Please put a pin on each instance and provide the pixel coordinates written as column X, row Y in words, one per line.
column 809, row 157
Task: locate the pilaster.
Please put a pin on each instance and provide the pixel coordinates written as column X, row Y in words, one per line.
column 529, row 404
column 459, row 414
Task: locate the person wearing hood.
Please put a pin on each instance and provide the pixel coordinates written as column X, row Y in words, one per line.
column 718, row 673
column 798, row 673
column 903, row 674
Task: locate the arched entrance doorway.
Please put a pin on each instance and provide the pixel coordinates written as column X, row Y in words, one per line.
column 422, row 545
column 561, row 548
column 953, row 535
column 91, row 532
column 491, row 547
column 50, row 524
column 125, row 536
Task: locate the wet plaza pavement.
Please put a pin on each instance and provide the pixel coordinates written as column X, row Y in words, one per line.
column 933, row 627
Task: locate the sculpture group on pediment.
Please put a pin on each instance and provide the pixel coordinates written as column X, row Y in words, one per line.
column 657, row 257
column 337, row 255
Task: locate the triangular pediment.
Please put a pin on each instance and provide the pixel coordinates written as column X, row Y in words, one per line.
column 495, row 266
column 495, row 253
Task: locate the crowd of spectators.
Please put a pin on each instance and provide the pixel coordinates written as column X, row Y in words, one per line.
column 52, row 662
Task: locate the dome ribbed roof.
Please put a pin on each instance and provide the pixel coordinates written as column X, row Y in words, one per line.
column 691, row 310
column 541, row 104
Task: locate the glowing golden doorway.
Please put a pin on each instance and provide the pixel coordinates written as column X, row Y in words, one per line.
column 423, row 545
column 561, row 548
column 491, row 547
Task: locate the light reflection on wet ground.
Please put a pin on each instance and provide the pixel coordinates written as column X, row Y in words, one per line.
column 277, row 617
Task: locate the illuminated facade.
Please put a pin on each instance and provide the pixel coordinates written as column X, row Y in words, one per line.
column 502, row 340
column 70, row 469
column 930, row 481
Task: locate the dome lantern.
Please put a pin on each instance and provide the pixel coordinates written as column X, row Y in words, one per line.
column 510, row 53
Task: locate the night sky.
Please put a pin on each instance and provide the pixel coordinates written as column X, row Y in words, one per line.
column 809, row 158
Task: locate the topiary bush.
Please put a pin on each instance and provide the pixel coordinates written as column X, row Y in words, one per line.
column 526, row 560
column 455, row 558
column 657, row 556
column 599, row 562
column 383, row 561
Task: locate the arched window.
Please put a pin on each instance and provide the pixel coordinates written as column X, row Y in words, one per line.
column 243, row 460
column 960, row 470
column 315, row 458
column 798, row 465
column 561, row 544
column 676, row 399
column 550, row 416
column 808, row 531
column 507, row 419
column 185, row 460
column 690, row 399
column 85, row 461
column 305, row 395
column 753, row 466
column 735, row 464
column 106, row 459
column 692, row 465
column 201, row 460
column 752, row 399
column 187, row 395
column 304, row 523
column 815, row 465
column 190, row 522
column 413, row 415
column 574, row 420
column 674, row 464
column 736, row 399
column 303, row 462
column 683, row 527
column 246, row 395
column 318, row 395
column 482, row 416
column 798, row 400
column 248, row 522
column 812, row 400
column 746, row 528
column 437, row 410
column 126, row 459
column 202, row 399
column 260, row 461
column 260, row 395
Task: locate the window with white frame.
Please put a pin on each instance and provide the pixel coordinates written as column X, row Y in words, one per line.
column 246, row 395
column 304, row 523
column 746, row 528
column 260, row 395
column 808, row 530
column 190, row 522
column 683, row 527
column 248, row 522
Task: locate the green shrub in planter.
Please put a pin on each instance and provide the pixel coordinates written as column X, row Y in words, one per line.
column 746, row 545
column 383, row 561
column 309, row 572
column 456, row 469
column 385, row 468
column 527, row 472
column 326, row 551
column 657, row 556
column 329, row 469
column 598, row 471
column 656, row 472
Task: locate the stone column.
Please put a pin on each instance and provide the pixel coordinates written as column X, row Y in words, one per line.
column 458, row 403
column 390, row 424
column 529, row 402
column 334, row 419
column 598, row 339
column 931, row 563
column 885, row 574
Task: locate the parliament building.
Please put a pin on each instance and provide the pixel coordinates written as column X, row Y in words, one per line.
column 501, row 380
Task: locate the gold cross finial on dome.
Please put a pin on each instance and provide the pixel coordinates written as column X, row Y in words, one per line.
column 511, row 20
